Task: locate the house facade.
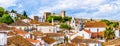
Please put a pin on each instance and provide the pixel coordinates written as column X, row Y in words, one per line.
column 95, row 26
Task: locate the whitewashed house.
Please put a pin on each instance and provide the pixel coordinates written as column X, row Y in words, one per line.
column 21, row 33
column 13, row 15
column 26, row 20
column 89, row 42
column 56, row 36
column 4, row 29
column 117, row 33
column 3, row 37
column 21, row 25
column 44, row 27
column 86, row 34
column 95, row 26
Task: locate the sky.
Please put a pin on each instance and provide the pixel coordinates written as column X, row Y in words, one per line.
column 96, row 9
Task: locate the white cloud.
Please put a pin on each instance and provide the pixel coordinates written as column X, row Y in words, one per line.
column 69, row 4
column 7, row 3
column 106, row 8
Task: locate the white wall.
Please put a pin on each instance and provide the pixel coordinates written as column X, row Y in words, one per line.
column 85, row 34
column 95, row 29
column 45, row 29
column 117, row 33
column 93, row 44
column 3, row 39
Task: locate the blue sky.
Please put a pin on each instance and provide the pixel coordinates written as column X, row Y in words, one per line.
column 97, row 9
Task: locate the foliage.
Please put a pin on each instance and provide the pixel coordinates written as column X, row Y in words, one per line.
column 6, row 19
column 24, row 15
column 66, row 19
column 1, row 11
column 58, row 18
column 111, row 24
column 106, row 21
column 13, row 11
column 115, row 24
column 109, row 33
column 65, row 26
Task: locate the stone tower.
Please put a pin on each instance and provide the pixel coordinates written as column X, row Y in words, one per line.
column 46, row 14
column 63, row 13
column 36, row 18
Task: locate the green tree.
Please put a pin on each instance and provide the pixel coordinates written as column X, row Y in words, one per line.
column 13, row 11
column 1, row 11
column 115, row 24
column 6, row 19
column 109, row 33
column 56, row 18
column 25, row 14
column 65, row 26
column 66, row 19
column 107, row 22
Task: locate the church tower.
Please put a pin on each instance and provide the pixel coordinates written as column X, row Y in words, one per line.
column 81, row 25
column 73, row 22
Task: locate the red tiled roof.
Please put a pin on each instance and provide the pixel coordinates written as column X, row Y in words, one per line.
column 48, row 40
column 19, row 23
column 4, row 26
column 22, row 32
column 97, row 34
column 54, row 34
column 31, row 40
column 88, row 31
column 40, row 23
column 95, row 24
column 18, row 40
column 66, row 44
column 78, row 40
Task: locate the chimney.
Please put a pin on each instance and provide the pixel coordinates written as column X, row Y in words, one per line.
column 30, row 36
column 36, row 18
column 46, row 14
column 35, row 37
column 63, row 14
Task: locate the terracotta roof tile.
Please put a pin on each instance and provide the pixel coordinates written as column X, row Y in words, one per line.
column 37, row 33
column 32, row 40
column 54, row 34
column 4, row 26
column 48, row 40
column 78, row 40
column 21, row 32
column 67, row 44
column 88, row 31
column 97, row 34
column 19, row 23
column 18, row 41
column 40, row 23
column 95, row 24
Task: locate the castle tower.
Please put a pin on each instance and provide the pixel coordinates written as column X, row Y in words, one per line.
column 36, row 18
column 46, row 14
column 63, row 13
